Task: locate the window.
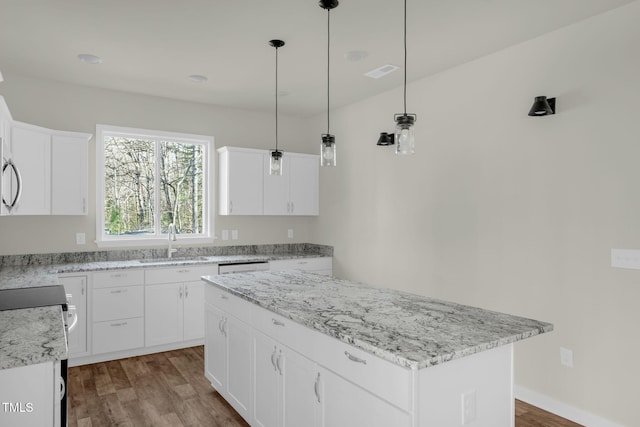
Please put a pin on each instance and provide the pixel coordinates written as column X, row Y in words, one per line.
column 147, row 180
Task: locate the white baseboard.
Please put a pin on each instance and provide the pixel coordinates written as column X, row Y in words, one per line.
column 561, row 409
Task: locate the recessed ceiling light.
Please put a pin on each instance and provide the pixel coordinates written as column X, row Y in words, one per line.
column 356, row 55
column 197, row 78
column 381, row 71
column 89, row 59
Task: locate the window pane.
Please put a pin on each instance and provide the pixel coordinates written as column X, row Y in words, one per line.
column 181, row 187
column 129, row 186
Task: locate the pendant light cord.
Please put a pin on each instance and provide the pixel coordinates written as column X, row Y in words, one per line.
column 405, row 57
column 276, row 99
column 328, row 63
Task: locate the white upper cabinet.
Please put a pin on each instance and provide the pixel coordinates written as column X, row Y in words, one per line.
column 44, row 171
column 69, row 173
column 240, row 181
column 295, row 192
column 246, row 188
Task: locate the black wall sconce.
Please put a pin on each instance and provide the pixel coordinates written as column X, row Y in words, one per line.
column 543, row 106
column 386, row 139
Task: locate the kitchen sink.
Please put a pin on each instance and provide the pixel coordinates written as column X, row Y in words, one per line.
column 172, row 259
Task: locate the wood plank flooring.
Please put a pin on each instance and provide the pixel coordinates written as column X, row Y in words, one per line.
column 169, row 389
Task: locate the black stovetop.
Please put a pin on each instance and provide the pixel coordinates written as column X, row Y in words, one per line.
column 42, row 296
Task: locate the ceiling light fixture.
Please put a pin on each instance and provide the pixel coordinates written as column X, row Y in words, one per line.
column 543, row 106
column 87, row 58
column 275, row 164
column 328, row 145
column 404, row 135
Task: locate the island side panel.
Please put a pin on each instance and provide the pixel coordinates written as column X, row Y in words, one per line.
column 488, row 374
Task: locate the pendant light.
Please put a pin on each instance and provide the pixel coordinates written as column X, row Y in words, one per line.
column 275, row 163
column 404, row 135
column 328, row 145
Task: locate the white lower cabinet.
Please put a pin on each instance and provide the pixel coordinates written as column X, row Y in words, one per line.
column 285, row 389
column 174, row 312
column 228, row 357
column 174, row 304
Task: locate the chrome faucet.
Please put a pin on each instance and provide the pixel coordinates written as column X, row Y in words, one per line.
column 172, row 238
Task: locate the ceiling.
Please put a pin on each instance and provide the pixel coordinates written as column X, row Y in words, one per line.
column 151, row 46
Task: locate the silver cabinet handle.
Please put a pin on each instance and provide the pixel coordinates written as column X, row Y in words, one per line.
column 186, row 291
column 119, row 291
column 16, row 171
column 63, row 388
column 277, row 322
column 180, row 292
column 316, row 387
column 273, row 358
column 118, row 275
column 220, row 325
column 355, row 358
column 230, row 206
column 119, row 324
column 224, row 326
column 278, row 362
column 185, row 270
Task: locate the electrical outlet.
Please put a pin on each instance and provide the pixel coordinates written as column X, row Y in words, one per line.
column 566, row 357
column 468, row 407
column 225, row 234
column 81, row 239
column 625, row 258
column 290, row 233
column 234, row 234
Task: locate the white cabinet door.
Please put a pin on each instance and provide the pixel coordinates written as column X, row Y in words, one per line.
column 343, row 403
column 266, row 380
column 193, row 310
column 238, row 336
column 31, row 153
column 163, row 314
column 69, row 175
column 300, row 390
column 215, row 349
column 76, row 286
column 304, row 185
column 240, row 181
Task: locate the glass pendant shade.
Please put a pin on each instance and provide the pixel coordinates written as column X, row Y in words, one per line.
column 275, row 163
column 328, row 150
column 404, row 135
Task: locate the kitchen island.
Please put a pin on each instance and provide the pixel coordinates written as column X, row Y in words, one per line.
column 361, row 355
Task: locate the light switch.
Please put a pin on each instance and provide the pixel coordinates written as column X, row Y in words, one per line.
column 81, row 239
column 290, row 233
column 225, row 234
column 234, row 234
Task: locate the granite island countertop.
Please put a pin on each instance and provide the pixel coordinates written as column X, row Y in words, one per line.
column 410, row 330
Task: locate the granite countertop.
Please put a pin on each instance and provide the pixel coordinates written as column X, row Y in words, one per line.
column 410, row 330
column 36, row 335
column 31, row 335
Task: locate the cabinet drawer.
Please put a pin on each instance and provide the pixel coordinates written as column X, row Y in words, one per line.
column 105, row 279
column 387, row 380
column 227, row 302
column 307, row 264
column 118, row 303
column 179, row 274
column 116, row 335
column 286, row 331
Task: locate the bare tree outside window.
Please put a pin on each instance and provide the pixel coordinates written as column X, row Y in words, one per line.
column 149, row 184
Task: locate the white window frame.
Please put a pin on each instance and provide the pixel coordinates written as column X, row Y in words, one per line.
column 103, row 240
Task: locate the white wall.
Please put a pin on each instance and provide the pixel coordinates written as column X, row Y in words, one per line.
column 509, row 212
column 78, row 108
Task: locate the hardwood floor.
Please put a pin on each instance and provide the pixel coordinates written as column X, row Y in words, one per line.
column 169, row 389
